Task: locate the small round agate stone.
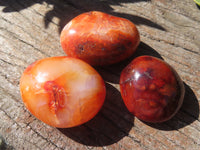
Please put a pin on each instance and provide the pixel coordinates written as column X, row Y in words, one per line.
column 151, row 89
column 99, row 38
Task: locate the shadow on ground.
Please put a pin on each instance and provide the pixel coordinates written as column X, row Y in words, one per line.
column 65, row 10
column 110, row 125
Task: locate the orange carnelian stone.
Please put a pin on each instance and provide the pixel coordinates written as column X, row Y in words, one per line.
column 151, row 89
column 62, row 91
column 99, row 38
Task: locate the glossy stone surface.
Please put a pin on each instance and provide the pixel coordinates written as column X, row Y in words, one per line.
column 151, row 89
column 99, row 38
column 62, row 91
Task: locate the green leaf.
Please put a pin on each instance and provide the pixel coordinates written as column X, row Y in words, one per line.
column 197, row 2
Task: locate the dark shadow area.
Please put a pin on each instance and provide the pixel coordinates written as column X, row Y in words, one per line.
column 65, row 10
column 4, row 145
column 110, row 125
column 198, row 6
column 188, row 113
column 116, row 69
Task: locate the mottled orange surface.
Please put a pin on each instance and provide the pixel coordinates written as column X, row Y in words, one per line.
column 62, row 91
column 99, row 38
column 151, row 89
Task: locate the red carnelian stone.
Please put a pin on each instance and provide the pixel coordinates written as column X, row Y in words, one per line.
column 151, row 89
column 62, row 92
column 99, row 38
